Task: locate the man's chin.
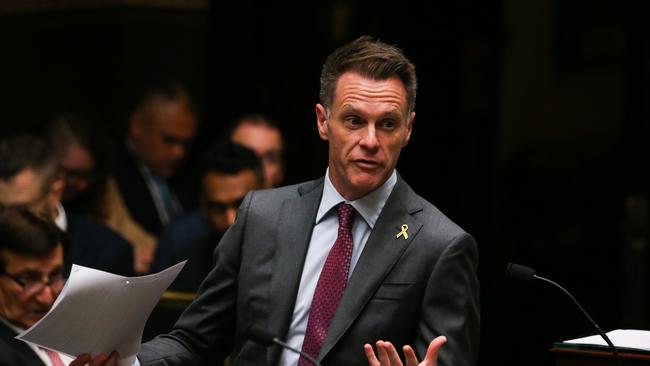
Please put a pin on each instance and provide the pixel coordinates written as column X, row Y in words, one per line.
column 34, row 316
column 366, row 183
column 165, row 172
column 28, row 322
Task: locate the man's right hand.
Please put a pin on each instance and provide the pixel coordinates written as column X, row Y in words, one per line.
column 100, row 360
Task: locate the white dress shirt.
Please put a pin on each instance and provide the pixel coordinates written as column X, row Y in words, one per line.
column 61, row 219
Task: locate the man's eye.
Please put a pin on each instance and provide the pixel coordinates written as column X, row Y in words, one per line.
column 353, row 121
column 387, row 124
column 26, row 280
column 169, row 140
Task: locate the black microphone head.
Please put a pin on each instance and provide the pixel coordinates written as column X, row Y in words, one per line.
column 259, row 335
column 519, row 273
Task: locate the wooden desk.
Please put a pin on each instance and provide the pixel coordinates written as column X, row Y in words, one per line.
column 597, row 356
column 165, row 314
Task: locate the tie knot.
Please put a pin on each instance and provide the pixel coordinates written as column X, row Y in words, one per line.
column 345, row 212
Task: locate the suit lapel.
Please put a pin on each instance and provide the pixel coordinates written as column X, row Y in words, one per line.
column 297, row 217
column 16, row 348
column 383, row 249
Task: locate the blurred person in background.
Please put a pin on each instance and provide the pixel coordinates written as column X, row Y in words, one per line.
column 228, row 172
column 83, row 153
column 31, row 278
column 262, row 135
column 30, row 179
column 160, row 129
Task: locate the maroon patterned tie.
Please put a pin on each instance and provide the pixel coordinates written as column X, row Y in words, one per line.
column 54, row 357
column 331, row 284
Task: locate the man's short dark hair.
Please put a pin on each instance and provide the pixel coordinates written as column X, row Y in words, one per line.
column 26, row 234
column 372, row 59
column 67, row 128
column 229, row 158
column 169, row 90
column 256, row 119
column 21, row 152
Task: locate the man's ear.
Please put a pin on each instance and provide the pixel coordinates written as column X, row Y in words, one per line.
column 409, row 128
column 56, row 189
column 135, row 123
column 321, row 120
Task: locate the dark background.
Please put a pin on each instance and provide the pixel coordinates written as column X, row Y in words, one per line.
column 531, row 128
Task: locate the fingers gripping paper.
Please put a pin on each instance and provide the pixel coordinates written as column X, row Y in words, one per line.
column 98, row 312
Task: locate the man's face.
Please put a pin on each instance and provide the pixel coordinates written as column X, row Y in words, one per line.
column 160, row 132
column 23, row 306
column 222, row 194
column 25, row 190
column 267, row 144
column 367, row 128
column 78, row 167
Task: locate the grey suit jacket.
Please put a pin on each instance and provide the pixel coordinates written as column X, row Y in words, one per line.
column 407, row 291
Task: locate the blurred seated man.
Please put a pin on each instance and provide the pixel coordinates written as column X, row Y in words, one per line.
column 30, row 178
column 31, row 277
column 160, row 128
column 263, row 136
column 228, row 172
column 82, row 151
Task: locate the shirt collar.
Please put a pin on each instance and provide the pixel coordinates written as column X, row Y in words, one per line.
column 61, row 219
column 12, row 326
column 368, row 206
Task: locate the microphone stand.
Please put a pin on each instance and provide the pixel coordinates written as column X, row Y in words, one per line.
column 591, row 320
column 303, row 354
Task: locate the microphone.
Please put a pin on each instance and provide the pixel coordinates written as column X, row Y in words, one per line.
column 525, row 274
column 266, row 338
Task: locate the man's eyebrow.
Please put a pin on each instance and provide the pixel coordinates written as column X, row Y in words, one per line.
column 347, row 108
column 395, row 113
column 28, row 272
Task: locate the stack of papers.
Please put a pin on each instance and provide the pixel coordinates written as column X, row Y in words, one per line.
column 624, row 338
column 99, row 312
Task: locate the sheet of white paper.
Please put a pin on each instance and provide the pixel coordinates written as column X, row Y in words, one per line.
column 98, row 312
column 628, row 338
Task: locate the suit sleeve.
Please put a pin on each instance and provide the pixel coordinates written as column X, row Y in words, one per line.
column 451, row 304
column 205, row 332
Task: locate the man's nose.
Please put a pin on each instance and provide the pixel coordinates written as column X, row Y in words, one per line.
column 46, row 296
column 178, row 150
column 369, row 138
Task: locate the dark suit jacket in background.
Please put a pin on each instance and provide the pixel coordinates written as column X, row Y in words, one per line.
column 90, row 244
column 403, row 291
column 14, row 352
column 187, row 237
column 134, row 191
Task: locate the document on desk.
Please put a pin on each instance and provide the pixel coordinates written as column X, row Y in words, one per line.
column 98, row 312
column 626, row 338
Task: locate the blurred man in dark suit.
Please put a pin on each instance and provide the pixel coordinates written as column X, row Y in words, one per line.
column 228, row 172
column 160, row 128
column 30, row 179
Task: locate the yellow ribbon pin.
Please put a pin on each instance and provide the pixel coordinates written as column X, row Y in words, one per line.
column 403, row 232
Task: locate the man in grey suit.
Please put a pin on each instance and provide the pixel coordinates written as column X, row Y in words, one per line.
column 351, row 258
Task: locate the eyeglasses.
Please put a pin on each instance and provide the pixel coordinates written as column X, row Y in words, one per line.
column 33, row 283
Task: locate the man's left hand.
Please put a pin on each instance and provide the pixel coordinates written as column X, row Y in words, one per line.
column 387, row 354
